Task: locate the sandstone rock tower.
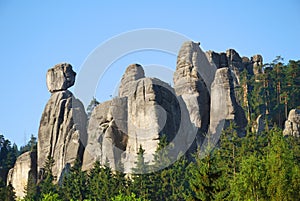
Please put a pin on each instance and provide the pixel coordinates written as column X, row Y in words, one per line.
column 62, row 131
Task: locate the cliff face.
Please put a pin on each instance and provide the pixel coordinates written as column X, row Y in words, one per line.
column 23, row 170
column 145, row 110
column 62, row 131
column 148, row 108
column 189, row 84
column 224, row 105
column 235, row 62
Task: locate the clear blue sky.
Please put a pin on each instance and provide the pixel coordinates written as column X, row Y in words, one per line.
column 36, row 35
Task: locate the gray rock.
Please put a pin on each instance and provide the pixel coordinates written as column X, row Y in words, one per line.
column 260, row 124
column 224, row 106
column 257, row 61
column 62, row 132
column 292, row 124
column 132, row 74
column 214, row 58
column 24, row 168
column 189, row 84
column 153, row 111
column 223, row 60
column 107, row 134
column 60, row 77
column 191, row 55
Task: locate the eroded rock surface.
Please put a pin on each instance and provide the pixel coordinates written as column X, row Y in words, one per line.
column 132, row 74
column 60, row 77
column 62, row 132
column 292, row 124
column 107, row 131
column 192, row 64
column 224, row 105
column 23, row 170
column 153, row 111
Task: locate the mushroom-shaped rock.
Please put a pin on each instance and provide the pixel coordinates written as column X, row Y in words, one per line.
column 62, row 132
column 60, row 77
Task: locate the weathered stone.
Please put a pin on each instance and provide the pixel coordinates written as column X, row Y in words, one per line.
column 224, row 106
column 24, row 169
column 153, row 111
column 259, row 124
column 248, row 65
column 292, row 124
column 257, row 61
column 214, row 58
column 132, row 73
column 190, row 85
column 62, row 132
column 223, row 60
column 60, row 77
column 107, row 134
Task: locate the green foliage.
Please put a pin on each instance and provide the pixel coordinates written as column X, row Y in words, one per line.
column 122, row 197
column 206, row 181
column 73, row 186
column 140, row 177
column 6, row 192
column 102, row 184
column 46, row 185
column 8, row 156
column 91, row 107
column 50, row 197
column 260, row 166
column 30, row 146
column 31, row 189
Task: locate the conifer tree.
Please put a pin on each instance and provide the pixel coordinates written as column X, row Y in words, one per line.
column 74, row 183
column 140, row 176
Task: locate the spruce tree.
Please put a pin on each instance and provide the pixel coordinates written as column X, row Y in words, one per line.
column 46, row 185
column 279, row 168
column 140, row 177
column 204, row 176
column 74, row 183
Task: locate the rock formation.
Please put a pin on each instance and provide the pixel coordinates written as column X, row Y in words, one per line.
column 23, row 170
column 224, row 105
column 62, row 131
column 237, row 64
column 192, row 64
column 153, row 111
column 146, row 109
column 60, row 77
column 132, row 74
column 292, row 124
column 107, row 131
column 202, row 101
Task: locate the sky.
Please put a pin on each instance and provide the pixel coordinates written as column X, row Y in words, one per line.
column 36, row 35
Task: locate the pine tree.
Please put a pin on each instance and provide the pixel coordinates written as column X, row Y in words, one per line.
column 249, row 181
column 140, row 177
column 6, row 192
column 204, row 176
column 74, row 183
column 179, row 184
column 159, row 186
column 31, row 189
column 46, row 185
column 279, row 168
column 120, row 182
column 91, row 107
